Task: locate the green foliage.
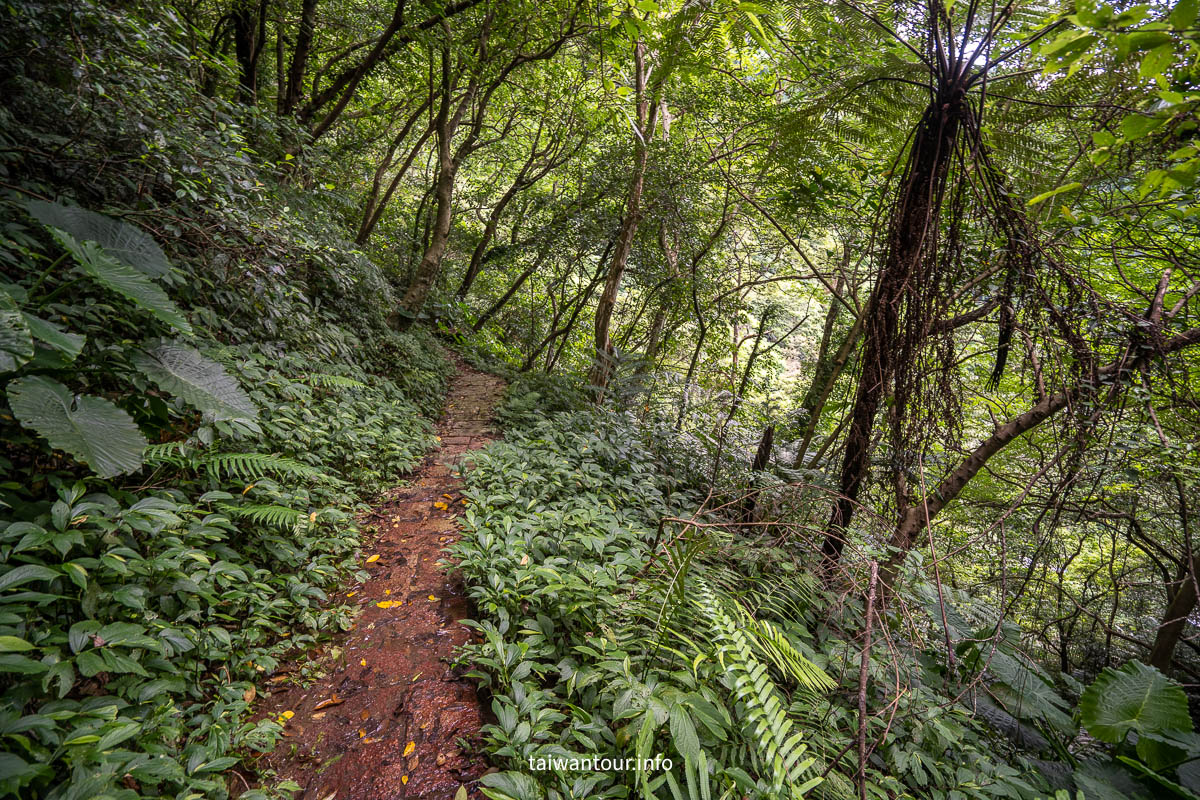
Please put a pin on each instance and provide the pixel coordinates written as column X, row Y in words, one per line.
column 139, row 614
column 1134, row 698
column 90, row 428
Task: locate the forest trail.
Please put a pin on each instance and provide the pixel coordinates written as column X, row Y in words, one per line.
column 384, row 722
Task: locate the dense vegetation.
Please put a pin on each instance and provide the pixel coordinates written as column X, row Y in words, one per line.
column 851, row 436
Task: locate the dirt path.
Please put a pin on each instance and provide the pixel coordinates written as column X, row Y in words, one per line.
column 383, row 723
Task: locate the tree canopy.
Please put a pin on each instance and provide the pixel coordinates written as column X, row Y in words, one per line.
column 868, row 333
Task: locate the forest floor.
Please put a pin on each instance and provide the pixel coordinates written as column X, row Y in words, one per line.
column 385, row 719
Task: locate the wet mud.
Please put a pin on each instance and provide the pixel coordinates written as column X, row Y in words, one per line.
column 389, row 719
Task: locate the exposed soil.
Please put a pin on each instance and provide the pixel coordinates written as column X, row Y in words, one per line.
column 385, row 721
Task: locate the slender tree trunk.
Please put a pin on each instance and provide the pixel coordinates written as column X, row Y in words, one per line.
column 489, row 233
column 249, row 32
column 375, row 205
column 294, row 89
column 647, row 113
column 431, row 260
column 1175, row 618
column 1183, row 595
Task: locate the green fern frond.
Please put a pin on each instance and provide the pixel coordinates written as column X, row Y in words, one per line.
column 248, row 466
column 282, row 517
column 327, row 381
column 243, row 466
column 775, row 645
column 779, row 747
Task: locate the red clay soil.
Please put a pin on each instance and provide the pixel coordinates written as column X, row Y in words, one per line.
column 384, row 721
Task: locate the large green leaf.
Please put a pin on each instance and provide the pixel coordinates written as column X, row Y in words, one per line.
column 52, row 334
column 1133, row 698
column 90, row 428
column 16, row 343
column 122, row 279
column 129, row 245
column 187, row 373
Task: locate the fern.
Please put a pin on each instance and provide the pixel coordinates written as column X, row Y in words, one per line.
column 243, row 466
column 327, row 381
column 288, row 519
column 779, row 747
column 775, row 645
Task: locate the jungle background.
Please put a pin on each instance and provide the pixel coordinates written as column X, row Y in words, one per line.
column 851, row 432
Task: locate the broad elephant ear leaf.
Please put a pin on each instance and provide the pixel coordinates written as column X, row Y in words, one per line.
column 1133, row 698
column 122, row 279
column 129, row 245
column 16, row 342
column 90, row 428
column 187, row 373
column 53, row 335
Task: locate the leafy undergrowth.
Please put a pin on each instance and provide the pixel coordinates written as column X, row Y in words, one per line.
column 199, row 394
column 721, row 654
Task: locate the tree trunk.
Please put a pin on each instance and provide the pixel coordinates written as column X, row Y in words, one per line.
column 446, row 125
column 249, row 32
column 912, row 227
column 647, row 112
column 294, row 89
column 373, row 208
column 1175, row 618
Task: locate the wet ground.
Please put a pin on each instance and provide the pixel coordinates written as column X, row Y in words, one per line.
column 385, row 721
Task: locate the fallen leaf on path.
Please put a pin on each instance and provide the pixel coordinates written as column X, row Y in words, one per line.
column 404, row 779
column 373, row 559
column 249, row 695
column 389, row 603
column 332, row 700
column 317, row 717
column 366, row 715
column 431, row 597
column 362, row 663
column 408, row 748
column 440, row 506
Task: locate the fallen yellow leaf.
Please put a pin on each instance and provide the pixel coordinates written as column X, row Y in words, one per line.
column 431, row 597
column 362, row 663
column 404, row 779
column 387, row 603
column 408, row 748
column 387, row 591
column 351, row 594
column 373, row 559
column 448, row 497
column 440, row 506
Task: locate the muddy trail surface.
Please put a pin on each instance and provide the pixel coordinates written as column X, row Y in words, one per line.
column 384, row 723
